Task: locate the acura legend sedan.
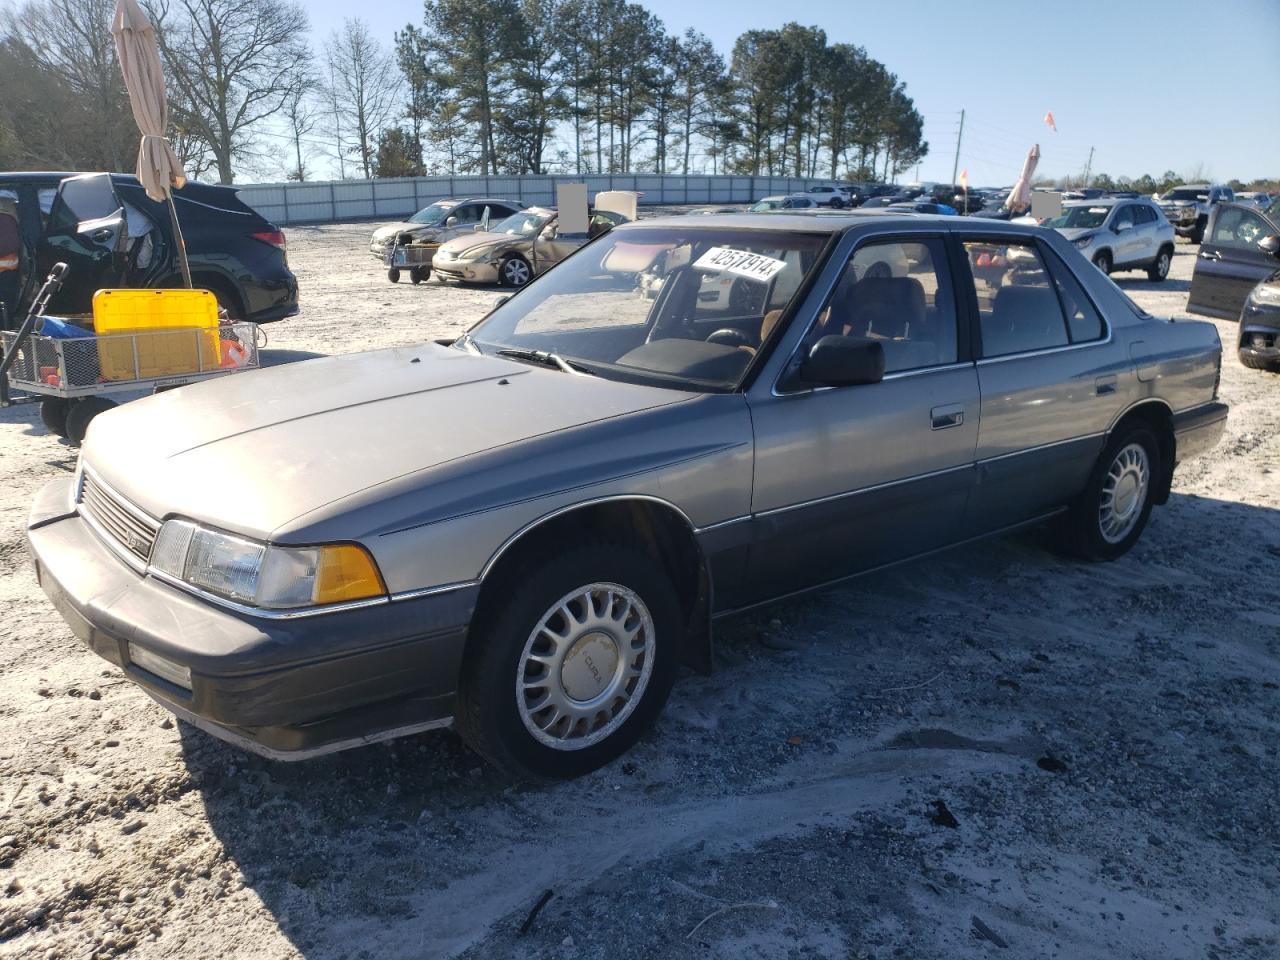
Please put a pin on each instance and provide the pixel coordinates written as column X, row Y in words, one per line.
column 526, row 532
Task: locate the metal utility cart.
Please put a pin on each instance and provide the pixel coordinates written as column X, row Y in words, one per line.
column 414, row 257
column 73, row 377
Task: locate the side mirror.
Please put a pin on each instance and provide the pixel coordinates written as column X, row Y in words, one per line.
column 1121, row 227
column 836, row 361
column 451, row 222
column 1270, row 245
column 479, row 228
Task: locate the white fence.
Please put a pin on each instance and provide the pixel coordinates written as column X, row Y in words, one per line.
column 336, row 200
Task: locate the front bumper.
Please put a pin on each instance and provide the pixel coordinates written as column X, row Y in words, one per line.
column 471, row 271
column 1198, row 430
column 284, row 688
column 1260, row 332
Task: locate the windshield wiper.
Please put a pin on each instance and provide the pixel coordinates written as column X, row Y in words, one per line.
column 547, row 359
column 469, row 344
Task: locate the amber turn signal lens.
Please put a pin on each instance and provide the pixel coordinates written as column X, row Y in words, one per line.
column 347, row 572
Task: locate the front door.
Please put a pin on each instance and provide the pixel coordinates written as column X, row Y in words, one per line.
column 1049, row 379
column 86, row 231
column 850, row 478
column 1231, row 263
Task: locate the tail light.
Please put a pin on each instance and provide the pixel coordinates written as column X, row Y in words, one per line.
column 274, row 237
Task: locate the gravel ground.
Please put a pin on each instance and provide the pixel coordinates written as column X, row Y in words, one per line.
column 990, row 753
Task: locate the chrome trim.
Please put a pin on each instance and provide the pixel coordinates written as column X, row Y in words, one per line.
column 261, row 612
column 722, row 523
column 1048, row 350
column 209, row 206
column 434, row 591
column 112, row 544
column 245, row 743
column 124, row 501
column 108, row 539
column 862, row 490
column 560, row 511
column 1043, row 446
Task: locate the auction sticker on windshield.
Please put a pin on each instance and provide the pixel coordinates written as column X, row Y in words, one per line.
column 753, row 266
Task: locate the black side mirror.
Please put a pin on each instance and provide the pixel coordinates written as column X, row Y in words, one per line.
column 836, row 361
column 1270, row 245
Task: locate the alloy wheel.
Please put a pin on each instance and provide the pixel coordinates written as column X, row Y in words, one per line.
column 1124, row 493
column 585, row 666
column 515, row 272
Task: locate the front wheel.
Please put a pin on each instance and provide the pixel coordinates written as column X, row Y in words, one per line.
column 571, row 663
column 1108, row 517
column 53, row 411
column 80, row 415
column 1103, row 262
column 514, row 271
column 393, row 275
column 1159, row 268
column 1197, row 235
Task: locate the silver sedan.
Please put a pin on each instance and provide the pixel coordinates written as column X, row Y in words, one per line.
column 524, row 534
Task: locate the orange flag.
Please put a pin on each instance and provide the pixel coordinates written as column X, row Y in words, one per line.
column 964, row 179
column 1048, row 119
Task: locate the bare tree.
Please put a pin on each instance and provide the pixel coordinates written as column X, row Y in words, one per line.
column 364, row 89
column 302, row 115
column 231, row 64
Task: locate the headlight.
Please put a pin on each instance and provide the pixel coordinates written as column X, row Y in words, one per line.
column 1268, row 293
column 1085, row 240
column 476, row 253
column 264, row 575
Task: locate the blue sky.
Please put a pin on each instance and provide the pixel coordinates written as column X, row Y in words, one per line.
column 1153, row 86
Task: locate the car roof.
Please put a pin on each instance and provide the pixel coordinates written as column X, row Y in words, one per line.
column 128, row 179
column 827, row 221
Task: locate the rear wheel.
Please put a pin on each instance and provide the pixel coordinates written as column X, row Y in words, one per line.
column 1108, row 517
column 1159, row 268
column 1103, row 261
column 80, row 415
column 571, row 662
column 1248, row 359
column 1197, row 235
column 394, row 275
column 53, row 412
column 418, row 274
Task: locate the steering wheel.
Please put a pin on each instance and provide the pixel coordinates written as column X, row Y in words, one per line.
column 729, row 337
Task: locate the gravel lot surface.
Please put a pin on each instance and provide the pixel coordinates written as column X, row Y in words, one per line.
column 991, row 753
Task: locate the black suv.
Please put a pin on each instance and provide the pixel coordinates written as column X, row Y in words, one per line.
column 111, row 234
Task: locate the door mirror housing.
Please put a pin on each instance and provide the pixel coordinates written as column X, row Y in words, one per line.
column 1270, row 245
column 451, row 222
column 1122, row 227
column 837, row 361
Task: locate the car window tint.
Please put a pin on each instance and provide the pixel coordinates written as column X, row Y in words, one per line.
column 1239, row 228
column 899, row 293
column 84, row 198
column 1145, row 215
column 1018, row 308
column 1084, row 323
column 1125, row 215
column 467, row 213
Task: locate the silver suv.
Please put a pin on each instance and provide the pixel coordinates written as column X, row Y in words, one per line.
column 1187, row 207
column 1118, row 234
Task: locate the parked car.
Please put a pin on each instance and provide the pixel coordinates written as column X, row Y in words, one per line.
column 1258, row 345
column 922, row 206
column 598, row 477
column 884, row 200
column 514, row 251
column 1187, row 207
column 835, row 197
column 442, row 221
column 706, row 211
column 1119, row 234
column 1254, row 198
column 111, row 234
column 791, row 201
column 1239, row 251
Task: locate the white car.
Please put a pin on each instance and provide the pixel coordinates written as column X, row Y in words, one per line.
column 1119, row 234
column 835, row 197
column 790, row 201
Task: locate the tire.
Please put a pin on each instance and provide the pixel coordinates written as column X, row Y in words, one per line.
column 1247, row 359
column 393, row 274
column 837, row 204
column 525, row 739
column 1159, row 268
column 1197, row 235
column 1103, row 262
column 80, row 415
column 418, row 274
column 1104, row 522
column 514, row 271
column 53, row 412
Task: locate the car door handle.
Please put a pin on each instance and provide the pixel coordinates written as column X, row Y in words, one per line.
column 949, row 416
column 1210, row 255
column 101, row 235
column 1104, row 386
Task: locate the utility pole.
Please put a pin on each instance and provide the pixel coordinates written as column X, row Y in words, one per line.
column 959, row 133
column 1088, row 167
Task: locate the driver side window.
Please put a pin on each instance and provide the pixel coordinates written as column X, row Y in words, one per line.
column 1239, row 228
column 900, row 294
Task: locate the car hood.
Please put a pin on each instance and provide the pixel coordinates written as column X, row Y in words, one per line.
column 417, row 229
column 251, row 452
column 1075, row 233
column 472, row 240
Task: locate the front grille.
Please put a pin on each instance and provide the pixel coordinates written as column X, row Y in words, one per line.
column 130, row 531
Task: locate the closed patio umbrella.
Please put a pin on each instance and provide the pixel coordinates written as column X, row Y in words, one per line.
column 1020, row 196
column 158, row 166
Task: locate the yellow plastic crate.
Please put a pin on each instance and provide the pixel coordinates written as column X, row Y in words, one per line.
column 170, row 333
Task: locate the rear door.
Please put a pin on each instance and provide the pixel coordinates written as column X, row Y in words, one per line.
column 1230, row 262
column 86, row 231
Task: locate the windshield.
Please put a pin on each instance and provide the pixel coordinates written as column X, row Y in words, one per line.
column 674, row 306
column 1079, row 217
column 432, row 214
column 1273, row 211
column 764, row 205
column 524, row 224
column 1184, row 194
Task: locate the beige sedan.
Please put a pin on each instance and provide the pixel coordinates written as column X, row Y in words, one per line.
column 517, row 249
